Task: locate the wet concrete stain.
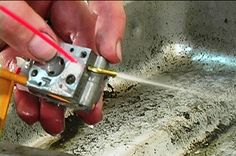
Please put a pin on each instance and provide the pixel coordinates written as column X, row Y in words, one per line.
column 186, row 115
column 214, row 140
column 149, row 102
column 211, row 136
column 226, row 20
column 110, row 94
column 72, row 125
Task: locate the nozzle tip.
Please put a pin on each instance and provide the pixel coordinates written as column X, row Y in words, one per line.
column 102, row 71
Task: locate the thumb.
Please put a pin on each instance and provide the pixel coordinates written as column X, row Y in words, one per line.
column 26, row 43
column 110, row 27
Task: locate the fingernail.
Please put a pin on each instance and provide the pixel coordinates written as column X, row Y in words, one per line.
column 12, row 65
column 40, row 48
column 118, row 50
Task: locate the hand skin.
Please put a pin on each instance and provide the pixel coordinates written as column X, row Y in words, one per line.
column 98, row 25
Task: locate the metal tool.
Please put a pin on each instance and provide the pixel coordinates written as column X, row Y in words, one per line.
column 74, row 79
column 75, row 85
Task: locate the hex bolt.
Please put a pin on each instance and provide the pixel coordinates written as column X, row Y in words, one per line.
column 34, row 73
column 70, row 79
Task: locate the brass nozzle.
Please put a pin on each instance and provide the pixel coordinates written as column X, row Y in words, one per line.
column 102, row 71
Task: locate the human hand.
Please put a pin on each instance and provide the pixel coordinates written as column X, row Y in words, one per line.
column 98, row 25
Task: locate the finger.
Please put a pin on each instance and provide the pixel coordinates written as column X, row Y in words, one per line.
column 52, row 118
column 41, row 7
column 110, row 28
column 7, row 57
column 2, row 45
column 27, row 106
column 79, row 28
column 94, row 116
column 80, row 31
column 22, row 39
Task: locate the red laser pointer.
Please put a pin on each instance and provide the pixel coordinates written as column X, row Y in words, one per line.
column 35, row 31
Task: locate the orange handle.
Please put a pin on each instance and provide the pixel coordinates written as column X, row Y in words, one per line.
column 7, row 81
column 6, row 74
column 6, row 89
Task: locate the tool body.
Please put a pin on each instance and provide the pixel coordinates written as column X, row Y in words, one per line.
column 74, row 79
column 68, row 83
column 77, row 85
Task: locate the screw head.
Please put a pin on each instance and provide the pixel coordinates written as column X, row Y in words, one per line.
column 70, row 79
column 34, row 73
column 83, row 54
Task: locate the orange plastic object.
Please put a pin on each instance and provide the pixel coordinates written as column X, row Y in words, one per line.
column 6, row 74
column 7, row 81
column 6, row 88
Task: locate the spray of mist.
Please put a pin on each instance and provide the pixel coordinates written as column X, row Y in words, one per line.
column 153, row 83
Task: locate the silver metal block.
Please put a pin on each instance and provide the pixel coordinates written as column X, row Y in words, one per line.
column 71, row 81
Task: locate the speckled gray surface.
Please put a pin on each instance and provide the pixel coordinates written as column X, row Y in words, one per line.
column 7, row 149
column 146, row 116
column 186, row 44
column 223, row 145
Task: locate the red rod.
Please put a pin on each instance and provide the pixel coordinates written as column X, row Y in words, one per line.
column 35, row 31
